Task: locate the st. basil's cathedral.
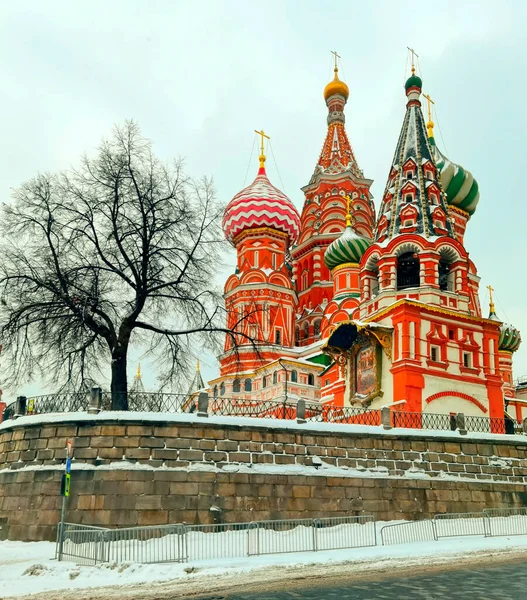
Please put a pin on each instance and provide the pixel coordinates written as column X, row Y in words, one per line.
column 345, row 307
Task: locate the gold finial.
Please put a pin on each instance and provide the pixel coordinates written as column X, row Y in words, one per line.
column 197, row 366
column 348, row 210
column 262, row 148
column 414, row 54
column 336, row 69
column 492, row 308
column 430, row 124
column 138, row 374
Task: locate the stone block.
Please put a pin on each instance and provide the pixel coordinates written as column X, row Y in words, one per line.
column 243, row 457
column 137, row 453
column 101, row 442
column 193, row 455
column 182, row 488
column 139, row 430
column 151, row 442
column 167, row 431
column 148, row 502
column 111, row 453
column 127, row 442
column 216, row 456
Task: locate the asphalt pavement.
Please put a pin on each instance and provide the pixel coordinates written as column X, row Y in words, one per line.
column 499, row 582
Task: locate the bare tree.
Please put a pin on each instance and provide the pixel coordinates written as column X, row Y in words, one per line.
column 123, row 248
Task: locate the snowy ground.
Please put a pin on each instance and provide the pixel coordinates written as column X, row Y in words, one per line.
column 28, row 569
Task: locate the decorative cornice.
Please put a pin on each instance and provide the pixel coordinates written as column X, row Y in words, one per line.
column 349, row 265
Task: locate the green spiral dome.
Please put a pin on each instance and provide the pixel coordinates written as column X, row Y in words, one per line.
column 348, row 248
column 510, row 338
column 460, row 186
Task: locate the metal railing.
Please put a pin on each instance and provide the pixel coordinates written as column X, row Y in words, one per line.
column 179, row 543
column 460, row 524
column 411, row 531
column 303, row 410
column 506, row 521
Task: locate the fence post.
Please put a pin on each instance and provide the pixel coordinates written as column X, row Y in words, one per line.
column 95, row 405
column 301, row 411
column 20, row 407
column 460, row 424
column 315, row 525
column 386, row 417
column 525, row 425
column 203, row 404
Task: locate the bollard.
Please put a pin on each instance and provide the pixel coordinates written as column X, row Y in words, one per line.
column 20, row 407
column 95, row 405
column 203, row 404
column 460, row 424
column 386, row 417
column 301, row 411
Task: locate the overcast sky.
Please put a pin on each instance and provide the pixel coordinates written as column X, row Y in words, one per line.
column 200, row 76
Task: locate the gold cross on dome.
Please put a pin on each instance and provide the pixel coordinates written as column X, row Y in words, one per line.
column 263, row 135
column 491, row 302
column 336, row 56
column 348, row 210
column 414, row 54
column 430, row 124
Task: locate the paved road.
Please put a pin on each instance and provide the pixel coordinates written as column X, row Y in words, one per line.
column 501, row 582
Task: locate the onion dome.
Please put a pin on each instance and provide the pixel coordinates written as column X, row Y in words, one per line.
column 261, row 205
column 461, row 188
column 336, row 87
column 510, row 338
column 413, row 81
column 348, row 248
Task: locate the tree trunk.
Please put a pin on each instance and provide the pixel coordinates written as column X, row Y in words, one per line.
column 119, row 385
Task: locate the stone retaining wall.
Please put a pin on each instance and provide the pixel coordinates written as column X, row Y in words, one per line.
column 130, row 472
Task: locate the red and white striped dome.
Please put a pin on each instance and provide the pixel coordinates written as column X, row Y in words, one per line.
column 261, row 205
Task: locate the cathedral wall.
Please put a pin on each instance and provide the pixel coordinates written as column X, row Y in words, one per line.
column 162, row 469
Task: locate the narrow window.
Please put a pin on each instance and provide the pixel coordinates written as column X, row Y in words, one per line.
column 408, row 271
column 222, row 389
column 236, row 386
column 410, row 174
column 408, row 198
column 264, row 381
column 408, row 223
column 450, row 334
column 327, row 382
column 277, row 336
column 256, row 259
column 317, row 328
column 275, row 377
column 467, row 360
column 294, row 376
column 215, row 391
column 434, row 354
column 248, row 385
column 310, row 379
column 297, row 335
column 274, row 260
column 445, row 281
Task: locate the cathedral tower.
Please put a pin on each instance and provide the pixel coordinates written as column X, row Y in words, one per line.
column 336, row 176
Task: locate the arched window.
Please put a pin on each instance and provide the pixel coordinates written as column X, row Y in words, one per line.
column 248, row 385
column 264, row 381
column 277, row 336
column 317, row 328
column 297, row 335
column 446, row 279
column 294, row 376
column 222, row 389
column 306, row 330
column 408, row 271
column 215, row 391
column 310, row 379
column 236, row 385
column 275, row 377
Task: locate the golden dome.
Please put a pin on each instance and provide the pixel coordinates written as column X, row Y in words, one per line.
column 336, row 87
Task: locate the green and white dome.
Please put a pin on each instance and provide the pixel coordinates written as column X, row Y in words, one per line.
column 459, row 184
column 348, row 248
column 510, row 338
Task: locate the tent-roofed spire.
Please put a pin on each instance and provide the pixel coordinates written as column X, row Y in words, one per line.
column 413, row 200
column 337, row 154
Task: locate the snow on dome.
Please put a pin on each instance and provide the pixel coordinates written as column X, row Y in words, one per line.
column 261, row 205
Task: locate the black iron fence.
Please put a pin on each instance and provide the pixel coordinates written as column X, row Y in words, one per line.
column 302, row 410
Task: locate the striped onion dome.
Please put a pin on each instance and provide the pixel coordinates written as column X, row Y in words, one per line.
column 510, row 338
column 261, row 205
column 460, row 186
column 348, row 248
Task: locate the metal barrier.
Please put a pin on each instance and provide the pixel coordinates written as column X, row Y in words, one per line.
column 307, row 535
column 223, row 540
column 154, row 544
column 84, row 544
column 412, row 531
column 460, row 524
column 506, row 521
